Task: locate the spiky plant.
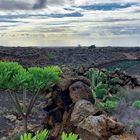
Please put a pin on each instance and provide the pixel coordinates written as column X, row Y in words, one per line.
column 70, row 136
column 42, row 135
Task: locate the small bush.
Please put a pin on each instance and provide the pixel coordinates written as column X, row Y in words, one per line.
column 92, row 46
column 109, row 105
column 136, row 104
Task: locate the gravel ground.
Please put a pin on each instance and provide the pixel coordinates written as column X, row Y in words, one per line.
column 8, row 121
column 67, row 56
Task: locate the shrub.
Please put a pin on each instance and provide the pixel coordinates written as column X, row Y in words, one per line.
column 109, row 105
column 136, row 104
column 13, row 78
column 92, row 46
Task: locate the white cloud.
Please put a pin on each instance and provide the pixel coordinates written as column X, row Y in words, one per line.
column 95, row 25
column 91, row 2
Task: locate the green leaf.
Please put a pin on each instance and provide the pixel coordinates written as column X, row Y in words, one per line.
column 70, row 136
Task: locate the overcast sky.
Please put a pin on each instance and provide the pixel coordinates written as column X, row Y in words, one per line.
column 70, row 22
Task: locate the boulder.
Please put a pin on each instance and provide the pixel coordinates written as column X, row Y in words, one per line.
column 80, row 90
column 114, row 137
column 124, row 136
column 64, row 84
column 67, row 80
column 98, row 128
column 82, row 109
column 113, row 127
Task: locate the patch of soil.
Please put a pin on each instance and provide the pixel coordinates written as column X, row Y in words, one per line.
column 9, row 118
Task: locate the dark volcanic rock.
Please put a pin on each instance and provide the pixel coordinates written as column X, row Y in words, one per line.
column 69, row 56
column 60, row 102
column 79, row 90
column 83, row 109
column 99, row 128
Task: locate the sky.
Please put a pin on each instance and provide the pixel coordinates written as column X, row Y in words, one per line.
column 69, row 22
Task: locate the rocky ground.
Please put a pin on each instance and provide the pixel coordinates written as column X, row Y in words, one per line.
column 65, row 102
column 9, row 118
column 68, row 56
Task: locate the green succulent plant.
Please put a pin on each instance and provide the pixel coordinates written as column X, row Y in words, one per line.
column 101, row 83
column 13, row 78
column 42, row 135
column 70, row 136
column 26, row 136
column 101, row 90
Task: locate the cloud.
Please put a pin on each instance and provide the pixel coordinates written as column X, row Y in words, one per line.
column 107, row 7
column 40, row 4
column 22, row 5
column 71, row 21
column 94, row 2
column 73, row 14
column 12, row 5
column 29, row 5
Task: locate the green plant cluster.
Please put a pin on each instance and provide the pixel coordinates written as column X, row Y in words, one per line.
column 92, row 46
column 136, row 104
column 43, row 135
column 101, row 83
column 13, row 78
column 70, row 136
column 109, row 105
